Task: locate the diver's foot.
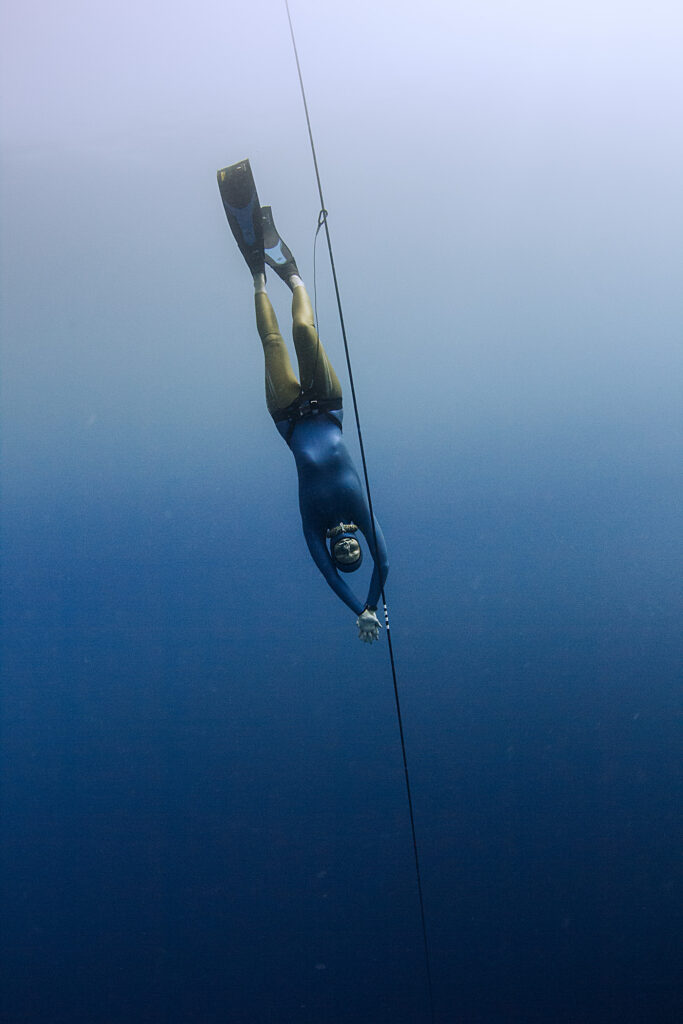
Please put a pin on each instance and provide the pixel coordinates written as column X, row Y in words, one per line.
column 240, row 201
column 277, row 254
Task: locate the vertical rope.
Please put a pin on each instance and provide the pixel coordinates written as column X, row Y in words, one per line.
column 324, row 219
column 321, row 217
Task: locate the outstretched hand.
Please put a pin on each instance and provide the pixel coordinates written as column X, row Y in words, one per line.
column 368, row 626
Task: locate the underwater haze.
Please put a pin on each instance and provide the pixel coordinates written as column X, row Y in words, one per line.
column 203, row 804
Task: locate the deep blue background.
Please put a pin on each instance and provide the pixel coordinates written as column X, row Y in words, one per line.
column 204, row 816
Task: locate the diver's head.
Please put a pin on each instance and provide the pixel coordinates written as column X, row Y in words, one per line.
column 346, row 552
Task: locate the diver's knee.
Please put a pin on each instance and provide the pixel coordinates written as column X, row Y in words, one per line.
column 304, row 333
column 271, row 339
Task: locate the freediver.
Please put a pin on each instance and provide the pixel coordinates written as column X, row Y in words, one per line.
column 307, row 411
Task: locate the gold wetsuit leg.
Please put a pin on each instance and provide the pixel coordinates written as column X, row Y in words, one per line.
column 282, row 387
column 318, row 379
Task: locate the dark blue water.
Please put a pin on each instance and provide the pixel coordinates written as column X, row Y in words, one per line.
column 203, row 806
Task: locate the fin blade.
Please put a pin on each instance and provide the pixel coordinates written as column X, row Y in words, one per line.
column 241, row 204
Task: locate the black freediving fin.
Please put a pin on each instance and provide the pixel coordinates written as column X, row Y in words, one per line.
column 240, row 200
column 277, row 254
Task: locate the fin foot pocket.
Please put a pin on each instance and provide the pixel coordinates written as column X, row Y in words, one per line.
column 278, row 256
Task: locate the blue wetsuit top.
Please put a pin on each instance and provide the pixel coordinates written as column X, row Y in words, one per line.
column 330, row 492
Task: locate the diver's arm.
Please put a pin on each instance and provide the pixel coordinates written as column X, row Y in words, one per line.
column 321, row 557
column 381, row 560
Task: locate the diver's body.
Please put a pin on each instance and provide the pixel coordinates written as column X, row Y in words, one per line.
column 310, row 420
column 330, row 493
column 307, row 411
